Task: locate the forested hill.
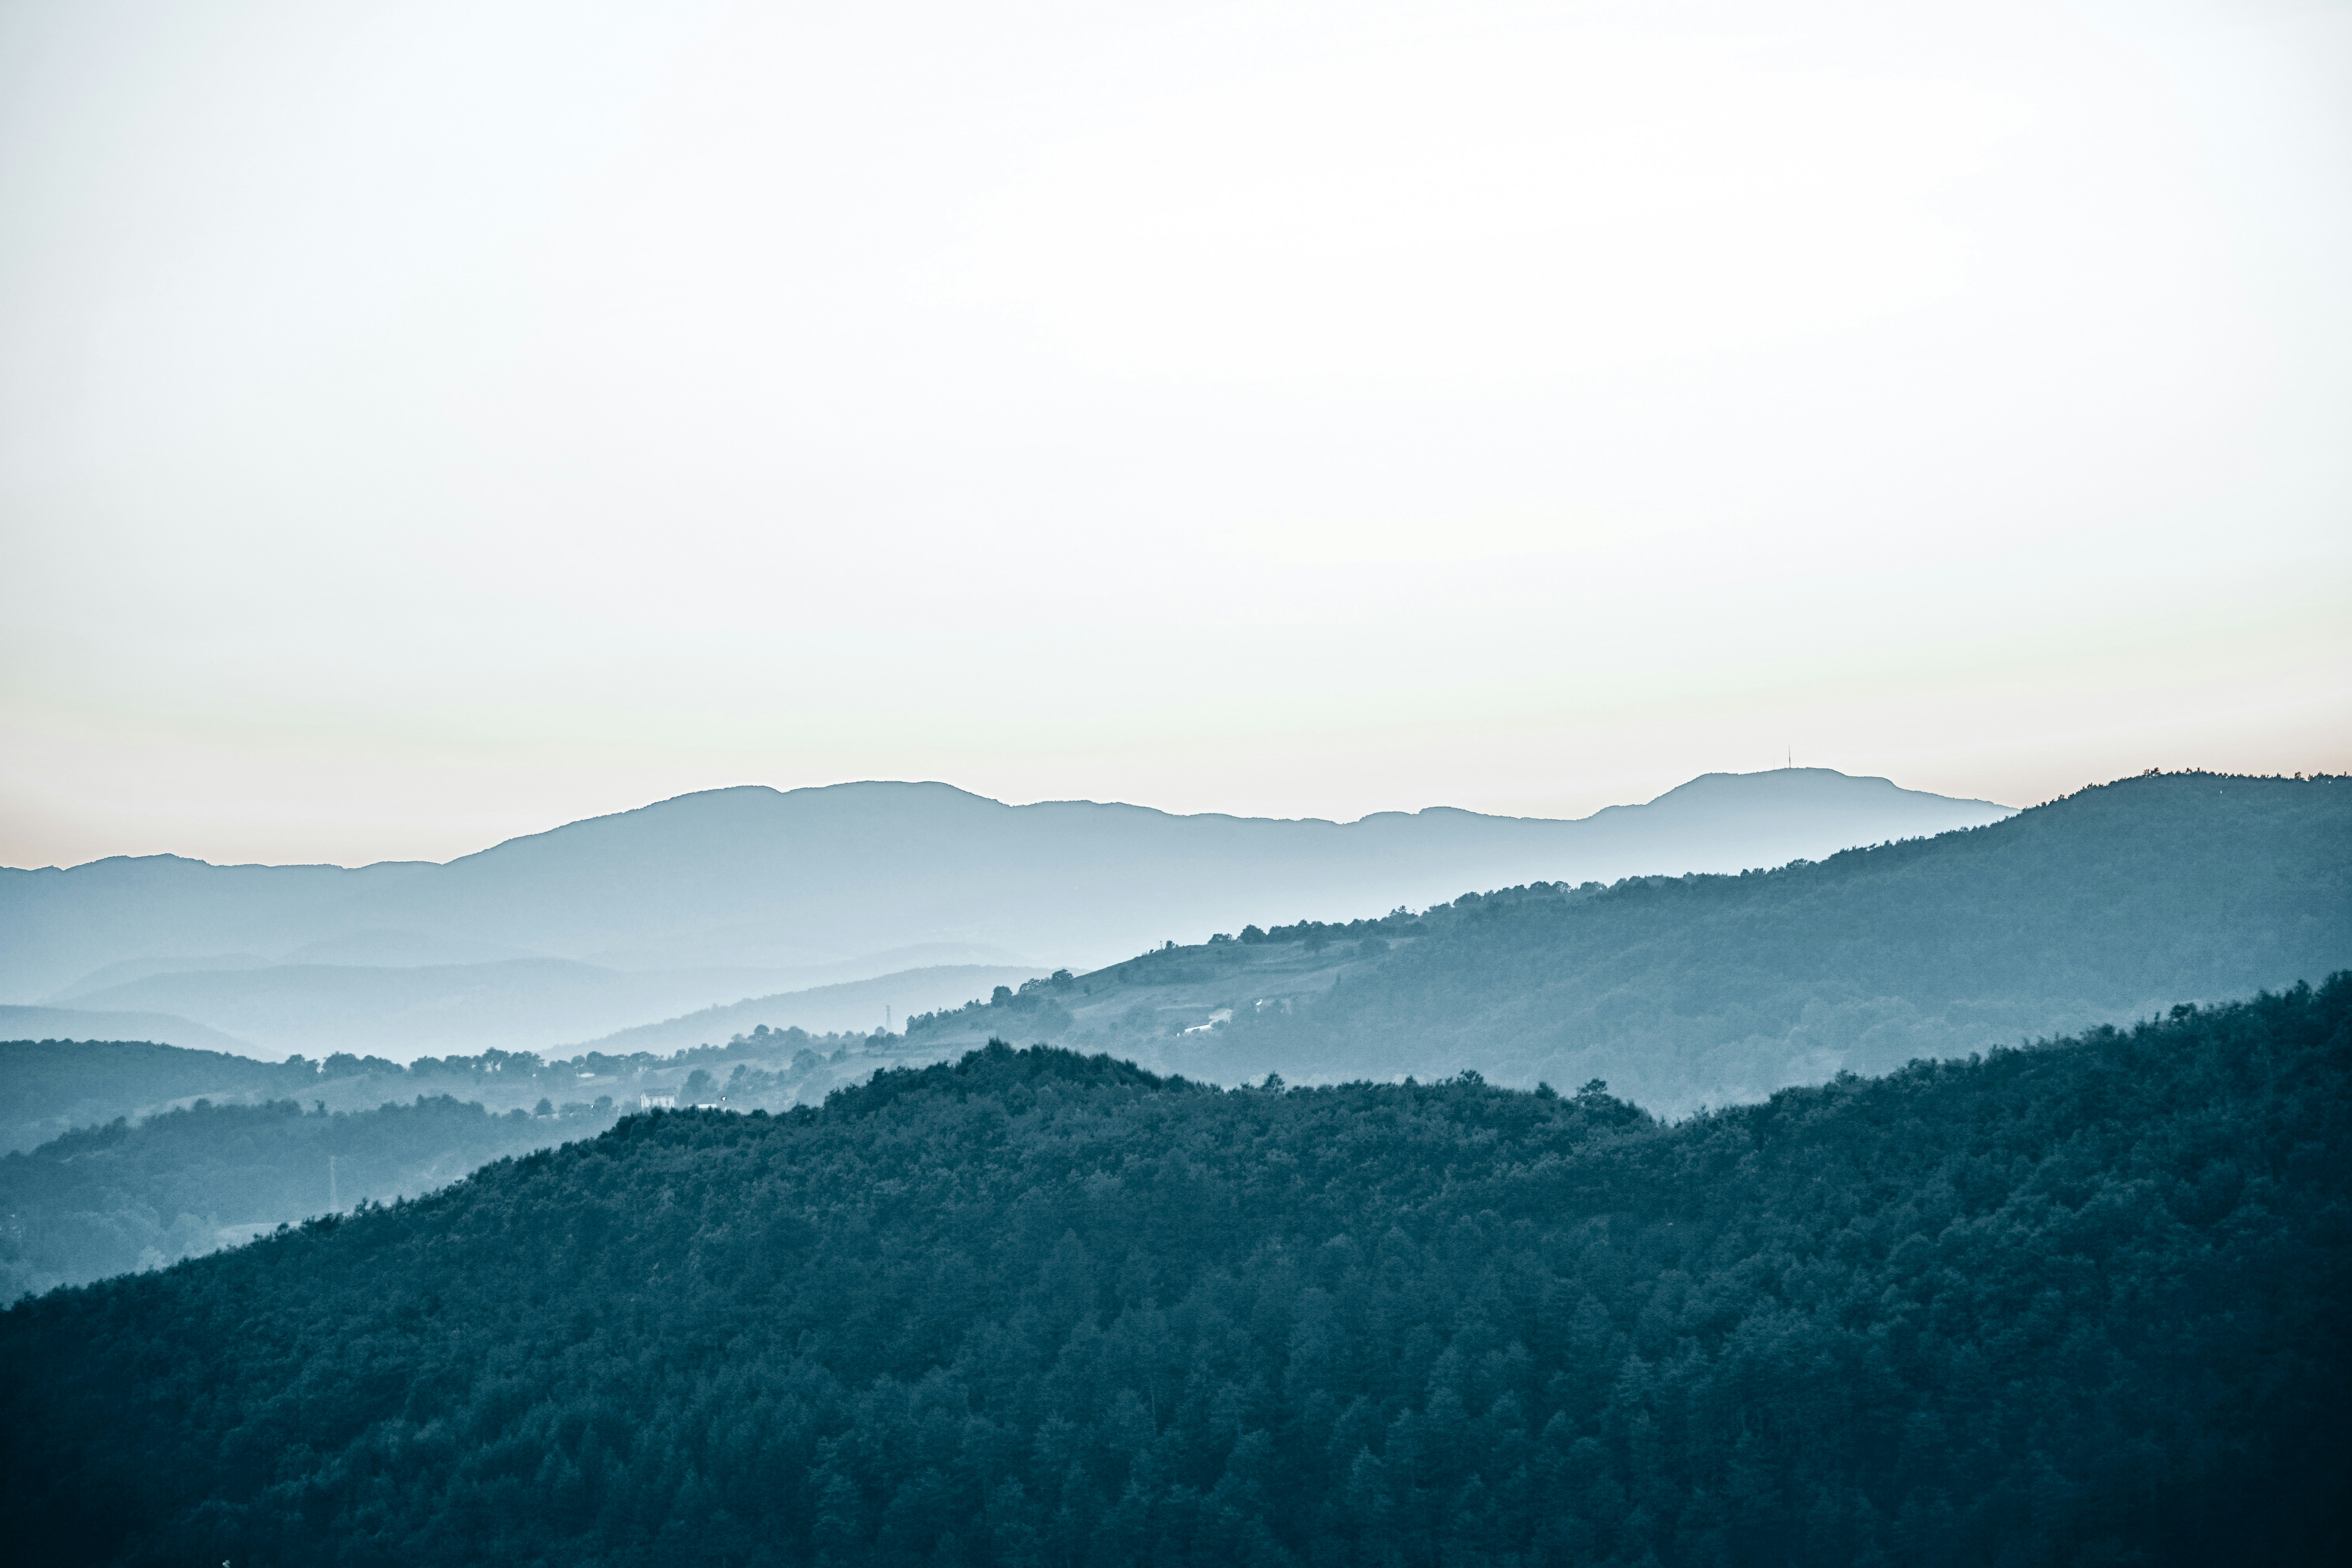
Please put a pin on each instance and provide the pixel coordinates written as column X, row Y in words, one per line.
column 2079, row 1304
column 2095, row 908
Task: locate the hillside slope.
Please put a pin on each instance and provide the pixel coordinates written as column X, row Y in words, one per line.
column 2070, row 1304
column 2098, row 908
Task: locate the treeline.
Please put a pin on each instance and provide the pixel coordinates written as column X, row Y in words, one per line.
column 2078, row 1303
column 1711, row 990
column 109, row 1200
column 1398, row 921
column 1036, row 1008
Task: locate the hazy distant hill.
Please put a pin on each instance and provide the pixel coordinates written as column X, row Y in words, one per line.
column 847, row 876
column 48, row 1086
column 115, row 1197
column 73, row 1024
column 858, row 1004
column 52, row 1087
column 530, row 1004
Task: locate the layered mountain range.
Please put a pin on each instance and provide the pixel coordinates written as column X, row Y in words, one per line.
column 863, row 902
column 2109, row 906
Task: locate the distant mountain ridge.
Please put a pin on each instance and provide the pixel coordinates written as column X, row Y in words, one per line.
column 842, row 877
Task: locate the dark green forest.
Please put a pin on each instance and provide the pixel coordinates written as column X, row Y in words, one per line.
column 2081, row 1302
column 108, row 1200
column 1685, row 991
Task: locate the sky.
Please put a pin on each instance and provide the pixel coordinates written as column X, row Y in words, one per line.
column 425, row 423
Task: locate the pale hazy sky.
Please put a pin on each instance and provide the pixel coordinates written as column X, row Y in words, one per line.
column 426, row 423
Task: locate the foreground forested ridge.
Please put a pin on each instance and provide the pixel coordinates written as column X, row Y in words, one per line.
column 2065, row 1304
